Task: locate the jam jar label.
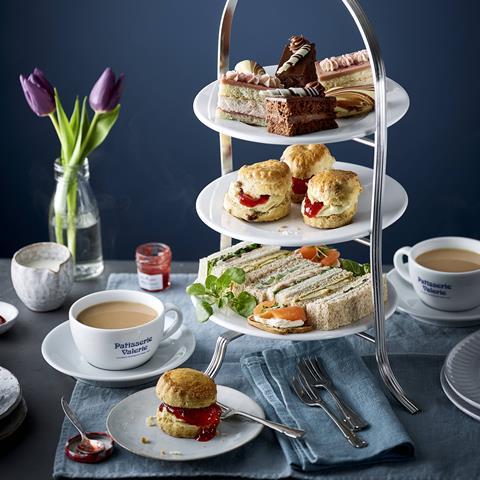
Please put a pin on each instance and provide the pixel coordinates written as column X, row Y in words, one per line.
column 150, row 282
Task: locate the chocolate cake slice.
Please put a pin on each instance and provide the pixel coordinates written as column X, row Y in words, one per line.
column 297, row 64
column 296, row 111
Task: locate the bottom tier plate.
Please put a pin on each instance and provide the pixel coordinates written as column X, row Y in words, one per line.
column 232, row 321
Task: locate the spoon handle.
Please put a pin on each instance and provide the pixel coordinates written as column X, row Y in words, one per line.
column 72, row 417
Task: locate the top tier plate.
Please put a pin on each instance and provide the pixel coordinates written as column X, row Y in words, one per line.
column 205, row 104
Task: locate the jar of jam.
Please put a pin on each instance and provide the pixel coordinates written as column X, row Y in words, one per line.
column 154, row 262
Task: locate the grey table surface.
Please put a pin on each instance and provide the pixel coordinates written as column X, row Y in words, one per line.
column 30, row 453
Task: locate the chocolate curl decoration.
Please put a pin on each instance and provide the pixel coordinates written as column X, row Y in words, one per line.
column 106, row 92
column 38, row 92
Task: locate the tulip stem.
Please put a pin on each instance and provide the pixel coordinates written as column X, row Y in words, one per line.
column 91, row 128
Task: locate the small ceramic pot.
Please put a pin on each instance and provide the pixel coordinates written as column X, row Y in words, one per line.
column 42, row 275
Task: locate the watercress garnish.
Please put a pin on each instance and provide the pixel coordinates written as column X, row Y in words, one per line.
column 216, row 292
column 356, row 268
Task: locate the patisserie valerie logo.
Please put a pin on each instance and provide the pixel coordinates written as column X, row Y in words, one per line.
column 132, row 349
column 435, row 289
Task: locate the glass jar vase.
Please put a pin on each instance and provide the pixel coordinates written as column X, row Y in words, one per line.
column 74, row 219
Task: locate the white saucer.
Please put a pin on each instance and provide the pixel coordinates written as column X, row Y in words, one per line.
column 291, row 230
column 10, row 313
column 409, row 302
column 205, row 104
column 461, row 404
column 60, row 352
column 462, row 369
column 126, row 423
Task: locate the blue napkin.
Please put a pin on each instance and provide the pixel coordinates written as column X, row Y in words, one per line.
column 270, row 373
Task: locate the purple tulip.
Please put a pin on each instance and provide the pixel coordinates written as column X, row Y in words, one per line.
column 106, row 93
column 38, row 92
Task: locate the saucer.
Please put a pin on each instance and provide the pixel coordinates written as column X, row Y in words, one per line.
column 461, row 404
column 10, row 314
column 126, row 424
column 408, row 302
column 60, row 352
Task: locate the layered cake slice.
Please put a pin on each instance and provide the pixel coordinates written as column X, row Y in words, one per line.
column 297, row 64
column 239, row 94
column 345, row 70
column 296, row 111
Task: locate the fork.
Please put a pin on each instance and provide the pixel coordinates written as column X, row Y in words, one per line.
column 288, row 431
column 313, row 368
column 308, row 396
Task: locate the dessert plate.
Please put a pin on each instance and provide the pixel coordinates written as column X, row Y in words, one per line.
column 408, row 302
column 60, row 352
column 205, row 104
column 461, row 404
column 462, row 369
column 290, row 231
column 126, row 423
column 231, row 320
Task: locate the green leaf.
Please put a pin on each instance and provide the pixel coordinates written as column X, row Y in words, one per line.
column 99, row 128
column 196, row 289
column 75, row 118
column 356, row 268
column 203, row 310
column 67, row 139
column 77, row 156
column 233, row 274
column 244, row 304
column 211, row 283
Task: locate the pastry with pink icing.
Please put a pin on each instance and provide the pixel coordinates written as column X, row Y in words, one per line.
column 239, row 93
column 350, row 69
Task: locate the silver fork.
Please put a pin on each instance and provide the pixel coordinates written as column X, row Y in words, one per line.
column 308, row 396
column 288, row 431
column 321, row 379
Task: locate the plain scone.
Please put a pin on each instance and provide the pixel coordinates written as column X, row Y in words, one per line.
column 183, row 388
column 337, row 188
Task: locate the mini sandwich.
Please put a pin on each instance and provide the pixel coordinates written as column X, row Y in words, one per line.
column 261, row 192
column 332, row 198
column 246, row 255
column 273, row 318
column 305, row 161
column 345, row 305
column 188, row 406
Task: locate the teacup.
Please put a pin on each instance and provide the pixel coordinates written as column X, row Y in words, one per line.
column 449, row 291
column 121, row 348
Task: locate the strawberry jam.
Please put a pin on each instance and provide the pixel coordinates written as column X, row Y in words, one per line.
column 311, row 209
column 248, row 201
column 206, row 418
column 300, row 185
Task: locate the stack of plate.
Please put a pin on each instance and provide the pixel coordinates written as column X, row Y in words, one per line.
column 13, row 408
column 460, row 375
column 408, row 302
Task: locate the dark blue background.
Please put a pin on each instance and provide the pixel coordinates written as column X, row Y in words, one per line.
column 158, row 156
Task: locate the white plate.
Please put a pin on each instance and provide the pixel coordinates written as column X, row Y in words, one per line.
column 10, row 392
column 227, row 318
column 456, row 400
column 462, row 369
column 126, row 424
column 60, row 352
column 290, row 231
column 10, row 314
column 408, row 302
column 205, row 104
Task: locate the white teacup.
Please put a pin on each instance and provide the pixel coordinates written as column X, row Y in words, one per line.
column 449, row 291
column 122, row 348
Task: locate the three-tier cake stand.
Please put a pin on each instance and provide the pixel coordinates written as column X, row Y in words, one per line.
column 385, row 204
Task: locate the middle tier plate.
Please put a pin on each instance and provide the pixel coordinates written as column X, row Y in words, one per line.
column 231, row 320
column 290, row 231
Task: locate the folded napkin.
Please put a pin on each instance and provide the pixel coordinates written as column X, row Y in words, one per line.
column 270, row 372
